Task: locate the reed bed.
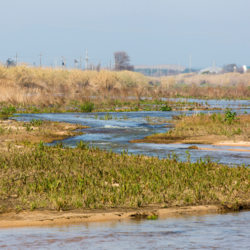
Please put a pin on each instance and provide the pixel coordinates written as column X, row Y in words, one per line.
column 61, row 178
column 46, row 87
column 50, row 86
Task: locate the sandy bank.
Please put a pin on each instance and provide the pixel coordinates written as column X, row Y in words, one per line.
column 44, row 218
column 233, row 143
column 197, row 142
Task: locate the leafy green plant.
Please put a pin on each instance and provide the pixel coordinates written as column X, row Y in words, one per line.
column 107, row 117
column 82, row 145
column 36, row 123
column 7, row 111
column 230, row 116
column 28, row 127
column 166, row 108
column 152, row 217
column 41, row 145
column 87, row 107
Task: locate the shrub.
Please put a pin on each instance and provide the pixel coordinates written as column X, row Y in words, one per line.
column 166, row 108
column 230, row 117
column 8, row 111
column 87, row 107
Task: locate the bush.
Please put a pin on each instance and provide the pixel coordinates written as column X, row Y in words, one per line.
column 87, row 107
column 166, row 108
column 8, row 111
column 230, row 116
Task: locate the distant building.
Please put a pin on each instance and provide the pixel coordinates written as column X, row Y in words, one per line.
column 246, row 69
column 210, row 70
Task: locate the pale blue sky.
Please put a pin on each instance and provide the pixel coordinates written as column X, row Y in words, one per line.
column 152, row 32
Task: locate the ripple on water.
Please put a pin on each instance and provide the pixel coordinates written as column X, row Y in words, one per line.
column 209, row 231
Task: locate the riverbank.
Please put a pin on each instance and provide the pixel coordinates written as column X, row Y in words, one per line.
column 18, row 134
column 46, row 218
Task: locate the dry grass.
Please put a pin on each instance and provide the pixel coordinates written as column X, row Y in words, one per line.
column 230, row 85
column 204, row 128
column 45, row 87
column 26, row 85
column 18, row 133
column 228, row 79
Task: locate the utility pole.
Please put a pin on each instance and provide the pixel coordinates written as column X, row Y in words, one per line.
column 16, row 59
column 40, row 59
column 86, row 60
column 190, row 63
column 80, row 62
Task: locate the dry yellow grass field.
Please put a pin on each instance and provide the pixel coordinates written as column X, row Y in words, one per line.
column 23, row 84
column 46, row 86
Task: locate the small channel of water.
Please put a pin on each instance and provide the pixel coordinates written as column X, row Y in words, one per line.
column 210, row 231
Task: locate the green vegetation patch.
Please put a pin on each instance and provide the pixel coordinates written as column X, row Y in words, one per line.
column 62, row 178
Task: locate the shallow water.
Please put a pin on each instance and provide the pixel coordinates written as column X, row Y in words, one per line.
column 210, row 231
column 232, row 104
column 116, row 133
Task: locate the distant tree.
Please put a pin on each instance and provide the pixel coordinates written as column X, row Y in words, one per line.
column 10, row 63
column 229, row 67
column 122, row 61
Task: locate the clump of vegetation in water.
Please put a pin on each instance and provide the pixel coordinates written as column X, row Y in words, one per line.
column 166, row 108
column 152, row 217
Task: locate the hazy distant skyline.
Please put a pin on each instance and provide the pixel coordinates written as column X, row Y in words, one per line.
column 151, row 32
